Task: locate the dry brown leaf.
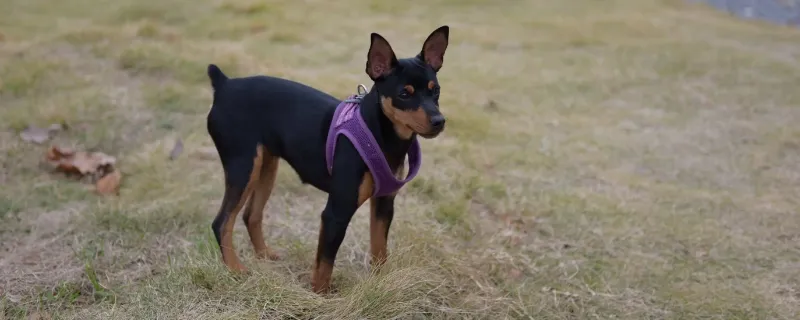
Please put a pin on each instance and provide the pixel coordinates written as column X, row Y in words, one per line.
column 55, row 153
column 81, row 162
column 97, row 167
column 109, row 184
column 176, row 150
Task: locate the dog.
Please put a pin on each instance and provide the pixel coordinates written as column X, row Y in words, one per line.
column 255, row 121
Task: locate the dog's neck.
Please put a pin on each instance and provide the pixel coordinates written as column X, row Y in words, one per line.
column 392, row 145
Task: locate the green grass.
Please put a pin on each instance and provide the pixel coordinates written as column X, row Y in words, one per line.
column 603, row 159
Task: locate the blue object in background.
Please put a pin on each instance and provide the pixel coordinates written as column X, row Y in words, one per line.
column 785, row 12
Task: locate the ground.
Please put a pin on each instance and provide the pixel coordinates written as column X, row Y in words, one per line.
column 628, row 159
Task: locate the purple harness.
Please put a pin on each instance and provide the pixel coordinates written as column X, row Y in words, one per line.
column 347, row 121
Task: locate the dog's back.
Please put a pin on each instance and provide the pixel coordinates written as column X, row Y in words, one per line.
column 269, row 98
column 272, row 110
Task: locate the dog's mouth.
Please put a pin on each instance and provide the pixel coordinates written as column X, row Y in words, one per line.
column 421, row 132
column 430, row 135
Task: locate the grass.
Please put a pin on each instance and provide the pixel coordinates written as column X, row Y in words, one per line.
column 603, row 159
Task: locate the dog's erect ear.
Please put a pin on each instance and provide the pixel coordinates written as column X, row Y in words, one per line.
column 433, row 48
column 380, row 58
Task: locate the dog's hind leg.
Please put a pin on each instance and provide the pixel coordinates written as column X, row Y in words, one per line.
column 254, row 212
column 241, row 175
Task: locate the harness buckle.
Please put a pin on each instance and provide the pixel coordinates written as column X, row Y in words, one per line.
column 361, row 90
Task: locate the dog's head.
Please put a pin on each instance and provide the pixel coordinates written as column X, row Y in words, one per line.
column 408, row 88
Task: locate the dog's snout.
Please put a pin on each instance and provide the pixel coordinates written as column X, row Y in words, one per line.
column 437, row 122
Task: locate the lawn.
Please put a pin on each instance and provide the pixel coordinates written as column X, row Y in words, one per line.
column 618, row 159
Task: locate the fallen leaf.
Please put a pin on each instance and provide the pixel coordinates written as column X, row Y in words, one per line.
column 86, row 163
column 55, row 153
column 176, row 150
column 109, row 184
column 40, row 135
column 81, row 162
column 35, row 134
column 96, row 167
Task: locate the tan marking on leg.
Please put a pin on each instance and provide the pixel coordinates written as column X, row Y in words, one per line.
column 400, row 174
column 322, row 279
column 377, row 236
column 228, row 250
column 365, row 189
column 321, row 272
column 254, row 212
column 378, row 228
column 431, row 85
column 406, row 122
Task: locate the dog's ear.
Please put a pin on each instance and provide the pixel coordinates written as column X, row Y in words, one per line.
column 380, row 58
column 434, row 47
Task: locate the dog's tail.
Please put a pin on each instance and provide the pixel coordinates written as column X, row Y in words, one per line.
column 216, row 76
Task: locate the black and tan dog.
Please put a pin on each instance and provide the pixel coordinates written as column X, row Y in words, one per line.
column 255, row 121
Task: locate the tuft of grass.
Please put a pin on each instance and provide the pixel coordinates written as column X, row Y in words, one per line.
column 64, row 294
column 148, row 30
column 173, row 98
column 283, row 37
column 165, row 12
column 23, row 76
column 154, row 60
column 246, row 8
column 451, row 213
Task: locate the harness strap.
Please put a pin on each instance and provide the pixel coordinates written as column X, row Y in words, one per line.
column 347, row 121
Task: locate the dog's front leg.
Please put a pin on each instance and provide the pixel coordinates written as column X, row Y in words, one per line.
column 343, row 201
column 351, row 186
column 335, row 219
column 381, row 214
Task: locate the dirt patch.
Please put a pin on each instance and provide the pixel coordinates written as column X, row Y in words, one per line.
column 41, row 254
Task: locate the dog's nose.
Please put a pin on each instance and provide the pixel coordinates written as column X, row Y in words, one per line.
column 437, row 122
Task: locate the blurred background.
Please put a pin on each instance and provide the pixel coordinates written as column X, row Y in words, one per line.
column 777, row 11
column 628, row 159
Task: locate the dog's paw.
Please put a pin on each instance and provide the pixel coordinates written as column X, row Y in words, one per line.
column 235, row 266
column 268, row 254
column 274, row 256
column 323, row 289
column 239, row 271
